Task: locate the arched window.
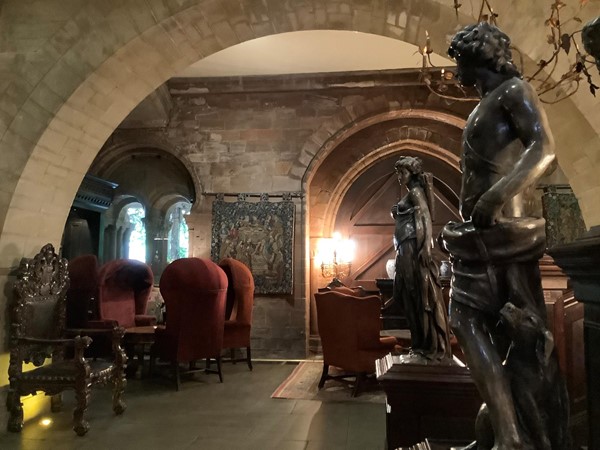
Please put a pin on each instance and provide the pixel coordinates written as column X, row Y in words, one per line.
column 178, row 238
column 135, row 214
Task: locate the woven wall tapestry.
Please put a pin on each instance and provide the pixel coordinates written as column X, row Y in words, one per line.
column 261, row 235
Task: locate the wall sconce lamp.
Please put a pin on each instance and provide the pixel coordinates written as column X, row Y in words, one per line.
column 335, row 256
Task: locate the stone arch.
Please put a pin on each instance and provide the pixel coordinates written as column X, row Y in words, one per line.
column 346, row 123
column 419, row 147
column 111, row 156
column 112, row 152
column 121, row 203
column 69, row 100
column 323, row 204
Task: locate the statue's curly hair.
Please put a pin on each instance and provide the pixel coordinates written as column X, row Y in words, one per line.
column 484, row 45
column 590, row 36
column 413, row 164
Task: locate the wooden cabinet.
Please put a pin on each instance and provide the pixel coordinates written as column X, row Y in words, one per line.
column 565, row 321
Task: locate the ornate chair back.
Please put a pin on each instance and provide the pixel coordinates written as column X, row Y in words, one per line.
column 39, row 308
column 38, row 332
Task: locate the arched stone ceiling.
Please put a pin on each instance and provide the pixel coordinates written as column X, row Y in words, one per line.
column 151, row 175
column 73, row 71
column 312, row 51
column 112, row 155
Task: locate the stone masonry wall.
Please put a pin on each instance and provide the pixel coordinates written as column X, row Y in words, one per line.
column 250, row 137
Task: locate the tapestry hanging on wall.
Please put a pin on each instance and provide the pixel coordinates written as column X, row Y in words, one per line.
column 261, row 235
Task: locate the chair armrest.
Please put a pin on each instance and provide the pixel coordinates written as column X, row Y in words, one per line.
column 104, row 323
column 116, row 332
column 388, row 340
column 144, row 319
column 88, row 331
column 81, row 343
column 77, row 341
column 27, row 340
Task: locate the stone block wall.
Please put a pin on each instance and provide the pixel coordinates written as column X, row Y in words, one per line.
column 260, row 134
column 269, row 134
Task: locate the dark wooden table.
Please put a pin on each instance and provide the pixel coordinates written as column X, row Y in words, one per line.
column 137, row 342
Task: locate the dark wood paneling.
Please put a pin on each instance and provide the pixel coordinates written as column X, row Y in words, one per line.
column 565, row 321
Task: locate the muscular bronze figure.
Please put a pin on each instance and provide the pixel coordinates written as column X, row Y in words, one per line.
column 507, row 147
column 416, row 282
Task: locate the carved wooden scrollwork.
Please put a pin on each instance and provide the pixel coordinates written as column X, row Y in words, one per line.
column 37, row 332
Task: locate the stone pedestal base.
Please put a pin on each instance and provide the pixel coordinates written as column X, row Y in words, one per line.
column 436, row 402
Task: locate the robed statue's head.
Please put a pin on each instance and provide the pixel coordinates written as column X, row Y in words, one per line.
column 413, row 164
column 407, row 167
column 481, row 46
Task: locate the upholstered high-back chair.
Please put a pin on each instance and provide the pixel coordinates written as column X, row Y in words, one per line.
column 82, row 296
column 240, row 300
column 37, row 332
column 194, row 291
column 349, row 327
column 124, row 288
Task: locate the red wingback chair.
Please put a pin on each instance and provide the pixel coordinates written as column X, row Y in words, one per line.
column 82, row 304
column 82, row 296
column 124, row 289
column 349, row 327
column 194, row 290
column 240, row 299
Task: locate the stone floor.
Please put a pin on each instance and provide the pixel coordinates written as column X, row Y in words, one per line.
column 207, row 415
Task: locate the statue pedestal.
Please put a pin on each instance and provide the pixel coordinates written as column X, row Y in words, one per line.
column 437, row 402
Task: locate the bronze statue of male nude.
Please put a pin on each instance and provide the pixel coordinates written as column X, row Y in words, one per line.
column 507, row 147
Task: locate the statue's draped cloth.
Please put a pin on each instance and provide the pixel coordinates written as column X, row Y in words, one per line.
column 484, row 257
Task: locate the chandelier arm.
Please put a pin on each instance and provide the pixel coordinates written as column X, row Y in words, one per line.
column 450, row 97
column 559, row 99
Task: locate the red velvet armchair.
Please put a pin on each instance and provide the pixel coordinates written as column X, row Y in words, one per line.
column 240, row 299
column 194, row 291
column 124, row 289
column 350, row 327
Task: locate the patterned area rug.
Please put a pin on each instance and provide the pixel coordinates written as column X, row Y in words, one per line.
column 302, row 384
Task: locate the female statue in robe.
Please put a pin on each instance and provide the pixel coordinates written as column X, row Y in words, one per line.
column 416, row 282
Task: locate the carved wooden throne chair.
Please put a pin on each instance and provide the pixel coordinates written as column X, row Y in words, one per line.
column 38, row 332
